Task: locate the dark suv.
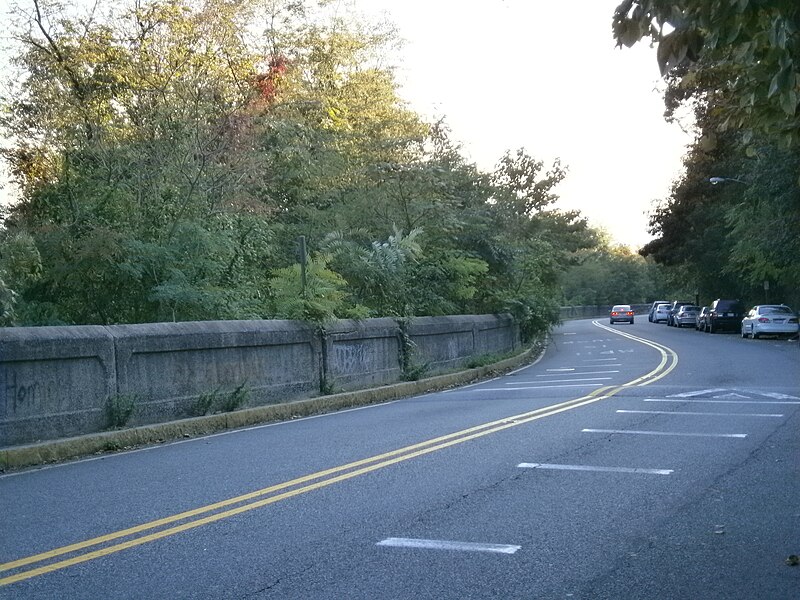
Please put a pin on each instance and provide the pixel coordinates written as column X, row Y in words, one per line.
column 724, row 314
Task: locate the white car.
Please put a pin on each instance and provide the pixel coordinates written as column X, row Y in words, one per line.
column 770, row 319
column 661, row 313
column 652, row 312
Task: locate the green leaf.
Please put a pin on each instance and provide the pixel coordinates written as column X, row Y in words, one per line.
column 743, row 52
column 789, row 102
column 781, row 81
column 734, row 33
column 631, row 33
column 708, row 142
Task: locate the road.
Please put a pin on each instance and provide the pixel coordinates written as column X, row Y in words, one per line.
column 630, row 461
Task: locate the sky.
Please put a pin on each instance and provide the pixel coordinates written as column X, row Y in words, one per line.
column 542, row 75
column 545, row 75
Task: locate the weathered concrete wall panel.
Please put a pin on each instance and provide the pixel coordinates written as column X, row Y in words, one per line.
column 362, row 354
column 54, row 382
column 495, row 334
column 442, row 343
column 168, row 367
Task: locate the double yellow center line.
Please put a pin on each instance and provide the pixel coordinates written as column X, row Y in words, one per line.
column 161, row 528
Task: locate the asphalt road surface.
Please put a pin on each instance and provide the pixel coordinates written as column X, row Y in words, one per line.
column 630, row 461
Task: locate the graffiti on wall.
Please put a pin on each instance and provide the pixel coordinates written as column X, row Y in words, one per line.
column 29, row 391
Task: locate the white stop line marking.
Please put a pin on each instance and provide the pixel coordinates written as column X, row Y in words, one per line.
column 447, row 545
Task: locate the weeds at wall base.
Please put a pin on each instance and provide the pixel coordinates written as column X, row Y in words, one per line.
column 119, row 409
column 219, row 401
column 236, row 399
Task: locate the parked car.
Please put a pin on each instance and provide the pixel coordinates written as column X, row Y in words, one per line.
column 661, row 314
column 621, row 312
column 651, row 314
column 686, row 315
column 724, row 314
column 770, row 319
column 702, row 317
column 673, row 309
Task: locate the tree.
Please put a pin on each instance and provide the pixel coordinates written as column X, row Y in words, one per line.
column 380, row 275
column 613, row 275
column 765, row 227
column 318, row 299
column 737, row 64
column 170, row 154
column 750, row 47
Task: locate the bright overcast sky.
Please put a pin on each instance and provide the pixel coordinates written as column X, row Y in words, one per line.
column 545, row 75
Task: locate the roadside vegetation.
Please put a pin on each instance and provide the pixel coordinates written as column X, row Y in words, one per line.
column 735, row 66
column 195, row 160
column 174, row 157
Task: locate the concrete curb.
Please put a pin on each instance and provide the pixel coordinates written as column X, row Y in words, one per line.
column 31, row 455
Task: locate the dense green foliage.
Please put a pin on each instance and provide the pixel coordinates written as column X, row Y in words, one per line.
column 751, row 48
column 171, row 153
column 616, row 275
column 737, row 66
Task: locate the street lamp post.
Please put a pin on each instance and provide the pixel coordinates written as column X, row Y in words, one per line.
column 716, row 180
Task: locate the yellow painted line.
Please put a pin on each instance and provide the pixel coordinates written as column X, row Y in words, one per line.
column 506, row 424
column 264, row 491
column 458, row 436
column 355, row 469
column 667, row 354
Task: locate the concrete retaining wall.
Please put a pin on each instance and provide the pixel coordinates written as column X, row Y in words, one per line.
column 445, row 343
column 361, row 354
column 170, row 368
column 54, row 381
column 58, row 382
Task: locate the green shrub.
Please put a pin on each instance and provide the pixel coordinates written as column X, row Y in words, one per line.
column 235, row 399
column 119, row 409
column 204, row 403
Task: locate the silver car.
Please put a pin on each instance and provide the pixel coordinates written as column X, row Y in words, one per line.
column 770, row 319
column 621, row 312
column 686, row 315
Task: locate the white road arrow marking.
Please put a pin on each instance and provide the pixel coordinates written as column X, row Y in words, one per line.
column 698, row 393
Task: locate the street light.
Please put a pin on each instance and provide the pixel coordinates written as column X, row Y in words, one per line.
column 716, row 180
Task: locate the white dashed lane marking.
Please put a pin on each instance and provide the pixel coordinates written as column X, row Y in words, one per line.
column 720, row 401
column 636, row 470
column 448, row 545
column 666, row 433
column 696, row 414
